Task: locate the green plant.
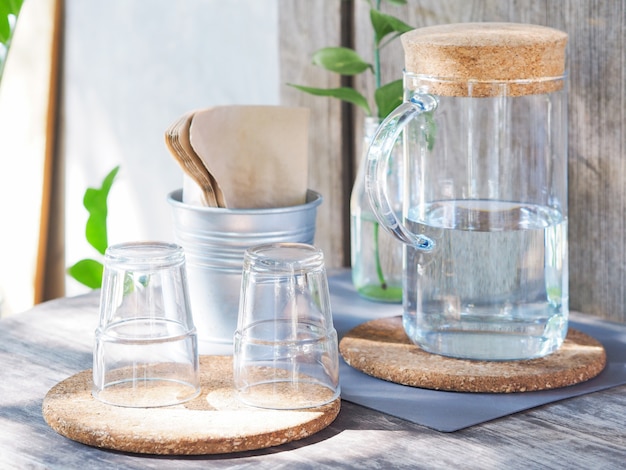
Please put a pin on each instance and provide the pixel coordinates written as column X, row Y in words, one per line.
column 348, row 62
column 9, row 11
column 89, row 271
column 387, row 97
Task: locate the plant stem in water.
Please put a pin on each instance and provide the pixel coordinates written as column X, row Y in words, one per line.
column 379, row 269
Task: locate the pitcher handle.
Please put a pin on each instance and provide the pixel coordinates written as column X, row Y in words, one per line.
column 378, row 160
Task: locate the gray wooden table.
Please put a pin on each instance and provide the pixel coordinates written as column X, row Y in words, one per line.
column 53, row 341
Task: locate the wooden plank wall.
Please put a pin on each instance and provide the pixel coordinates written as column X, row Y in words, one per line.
column 597, row 134
column 306, row 26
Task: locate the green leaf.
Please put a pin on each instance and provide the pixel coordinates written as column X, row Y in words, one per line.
column 7, row 8
column 340, row 60
column 95, row 201
column 14, row 6
column 386, row 24
column 5, row 28
column 388, row 97
column 87, row 272
column 129, row 283
column 396, row 2
column 349, row 95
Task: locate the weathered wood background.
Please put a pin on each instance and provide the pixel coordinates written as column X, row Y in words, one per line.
column 597, row 137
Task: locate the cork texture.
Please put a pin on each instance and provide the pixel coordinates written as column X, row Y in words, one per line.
column 380, row 348
column 470, row 57
column 213, row 423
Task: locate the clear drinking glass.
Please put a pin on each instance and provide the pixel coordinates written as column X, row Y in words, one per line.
column 286, row 354
column 146, row 352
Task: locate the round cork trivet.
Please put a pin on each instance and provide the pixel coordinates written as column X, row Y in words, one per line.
column 529, row 56
column 213, row 423
column 380, row 348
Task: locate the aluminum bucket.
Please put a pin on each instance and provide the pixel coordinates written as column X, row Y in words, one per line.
column 214, row 240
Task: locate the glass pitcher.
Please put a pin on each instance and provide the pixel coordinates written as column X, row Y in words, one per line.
column 484, row 210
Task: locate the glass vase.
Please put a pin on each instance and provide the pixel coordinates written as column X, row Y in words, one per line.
column 376, row 256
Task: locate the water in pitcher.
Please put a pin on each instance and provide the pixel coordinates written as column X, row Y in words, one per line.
column 495, row 284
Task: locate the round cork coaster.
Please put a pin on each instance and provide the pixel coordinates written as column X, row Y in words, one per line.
column 213, row 423
column 380, row 348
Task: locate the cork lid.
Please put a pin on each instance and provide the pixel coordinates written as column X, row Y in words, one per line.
column 486, row 52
